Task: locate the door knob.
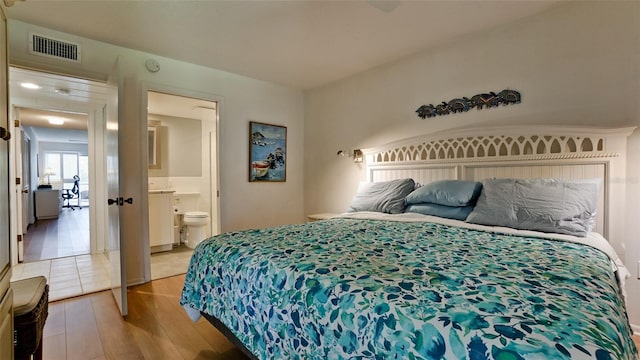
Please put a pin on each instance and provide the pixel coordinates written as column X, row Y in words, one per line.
column 25, row 191
column 4, row 134
column 120, row 201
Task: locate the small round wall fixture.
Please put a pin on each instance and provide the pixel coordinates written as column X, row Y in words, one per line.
column 152, row 65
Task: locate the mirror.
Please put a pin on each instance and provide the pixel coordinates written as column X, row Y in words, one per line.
column 153, row 134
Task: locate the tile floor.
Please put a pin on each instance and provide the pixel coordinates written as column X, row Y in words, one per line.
column 170, row 263
column 68, row 276
column 84, row 274
column 58, row 249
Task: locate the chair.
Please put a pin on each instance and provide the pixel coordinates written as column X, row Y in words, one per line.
column 74, row 193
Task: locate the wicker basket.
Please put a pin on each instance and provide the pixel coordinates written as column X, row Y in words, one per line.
column 28, row 329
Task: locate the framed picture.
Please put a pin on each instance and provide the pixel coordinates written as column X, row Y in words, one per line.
column 267, row 152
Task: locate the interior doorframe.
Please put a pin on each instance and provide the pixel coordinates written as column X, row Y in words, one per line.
column 147, row 86
column 97, row 170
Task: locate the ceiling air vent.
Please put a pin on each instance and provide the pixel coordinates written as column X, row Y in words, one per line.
column 59, row 49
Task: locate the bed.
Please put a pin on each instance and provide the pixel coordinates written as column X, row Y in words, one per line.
column 382, row 283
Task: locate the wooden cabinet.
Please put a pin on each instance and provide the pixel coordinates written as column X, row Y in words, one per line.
column 48, row 203
column 160, row 220
column 6, row 325
column 6, row 297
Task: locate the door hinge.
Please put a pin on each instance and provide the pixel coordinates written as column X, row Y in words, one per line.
column 18, row 181
column 19, row 238
column 16, row 123
column 218, row 193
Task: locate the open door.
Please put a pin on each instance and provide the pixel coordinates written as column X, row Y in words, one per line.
column 114, row 240
column 22, row 189
column 27, row 211
column 23, row 167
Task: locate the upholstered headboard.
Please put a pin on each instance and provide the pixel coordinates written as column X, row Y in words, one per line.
column 515, row 152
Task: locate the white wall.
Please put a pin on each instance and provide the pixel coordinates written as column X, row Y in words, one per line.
column 632, row 256
column 243, row 99
column 577, row 64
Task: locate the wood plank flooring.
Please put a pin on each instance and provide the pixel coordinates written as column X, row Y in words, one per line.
column 90, row 327
column 68, row 235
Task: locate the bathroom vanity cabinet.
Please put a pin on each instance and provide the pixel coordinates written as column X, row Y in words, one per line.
column 160, row 220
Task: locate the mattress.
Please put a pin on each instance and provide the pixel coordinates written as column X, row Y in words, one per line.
column 412, row 287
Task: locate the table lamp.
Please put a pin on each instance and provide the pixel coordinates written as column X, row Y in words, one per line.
column 48, row 172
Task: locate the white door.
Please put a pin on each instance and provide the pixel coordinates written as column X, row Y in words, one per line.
column 27, row 211
column 114, row 240
column 23, row 168
column 22, row 189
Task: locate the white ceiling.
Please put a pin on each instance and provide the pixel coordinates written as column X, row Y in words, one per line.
column 58, row 96
column 71, row 99
column 302, row 44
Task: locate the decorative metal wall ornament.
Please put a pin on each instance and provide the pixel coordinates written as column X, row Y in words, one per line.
column 479, row 101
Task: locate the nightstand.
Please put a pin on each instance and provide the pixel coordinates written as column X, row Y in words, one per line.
column 321, row 216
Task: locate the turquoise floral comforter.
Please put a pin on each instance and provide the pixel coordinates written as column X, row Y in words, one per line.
column 372, row 289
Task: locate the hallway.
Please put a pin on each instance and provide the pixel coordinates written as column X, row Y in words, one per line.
column 55, row 238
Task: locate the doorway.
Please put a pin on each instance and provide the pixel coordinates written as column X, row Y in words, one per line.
column 59, row 125
column 56, row 219
column 182, row 176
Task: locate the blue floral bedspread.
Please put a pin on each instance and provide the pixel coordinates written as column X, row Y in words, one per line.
column 372, row 289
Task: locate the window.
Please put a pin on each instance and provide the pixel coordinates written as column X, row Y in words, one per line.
column 67, row 164
column 53, row 161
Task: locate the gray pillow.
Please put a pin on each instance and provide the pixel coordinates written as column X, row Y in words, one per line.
column 449, row 212
column 386, row 196
column 446, row 192
column 547, row 205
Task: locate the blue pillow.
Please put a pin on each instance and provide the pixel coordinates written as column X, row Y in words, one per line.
column 547, row 205
column 446, row 192
column 386, row 196
column 449, row 212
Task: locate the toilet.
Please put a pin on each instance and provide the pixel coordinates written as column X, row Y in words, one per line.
column 188, row 221
column 196, row 222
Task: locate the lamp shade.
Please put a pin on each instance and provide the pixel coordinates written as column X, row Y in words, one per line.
column 49, row 171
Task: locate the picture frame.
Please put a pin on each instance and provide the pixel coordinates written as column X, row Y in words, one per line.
column 267, row 152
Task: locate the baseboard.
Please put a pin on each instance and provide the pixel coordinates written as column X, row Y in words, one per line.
column 636, row 329
column 139, row 281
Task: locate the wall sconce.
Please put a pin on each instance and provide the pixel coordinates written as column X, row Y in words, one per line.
column 356, row 155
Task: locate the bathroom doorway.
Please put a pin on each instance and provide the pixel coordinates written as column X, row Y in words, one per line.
column 182, row 176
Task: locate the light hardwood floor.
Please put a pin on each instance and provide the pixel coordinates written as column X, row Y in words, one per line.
column 90, row 327
column 68, row 235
